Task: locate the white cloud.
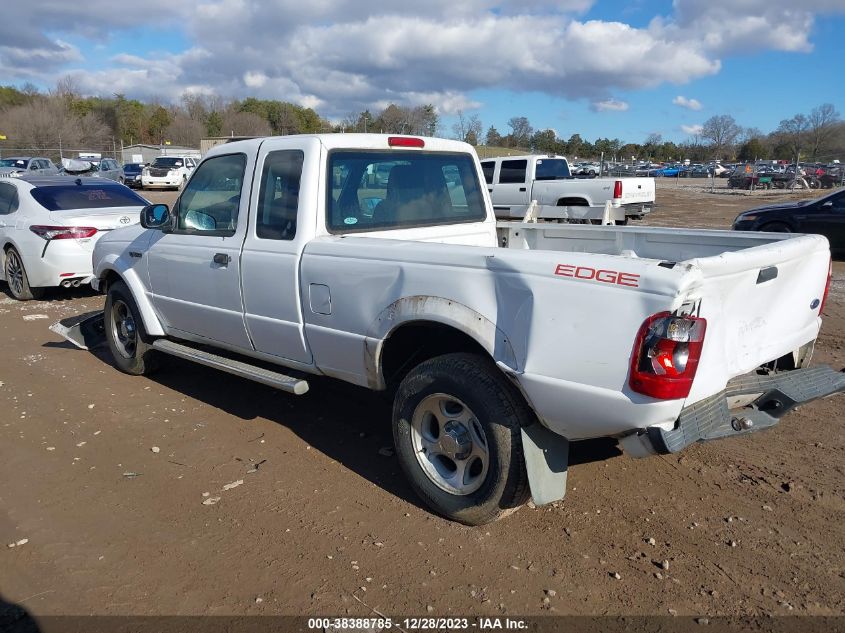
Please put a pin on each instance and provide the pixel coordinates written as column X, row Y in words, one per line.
column 690, row 104
column 342, row 58
column 692, row 130
column 609, row 105
column 254, row 79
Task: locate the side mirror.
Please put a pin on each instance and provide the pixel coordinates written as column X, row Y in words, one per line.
column 155, row 216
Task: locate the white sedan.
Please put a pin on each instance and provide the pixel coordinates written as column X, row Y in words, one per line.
column 49, row 225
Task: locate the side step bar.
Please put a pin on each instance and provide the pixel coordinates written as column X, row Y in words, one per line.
column 267, row 377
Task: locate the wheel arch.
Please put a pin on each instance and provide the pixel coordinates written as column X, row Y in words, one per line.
column 573, row 201
column 110, row 272
column 7, row 244
column 423, row 327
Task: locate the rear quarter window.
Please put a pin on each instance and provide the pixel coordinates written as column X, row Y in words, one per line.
column 513, row 171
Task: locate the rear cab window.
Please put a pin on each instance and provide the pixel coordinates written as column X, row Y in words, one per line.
column 373, row 190
column 488, row 168
column 552, row 169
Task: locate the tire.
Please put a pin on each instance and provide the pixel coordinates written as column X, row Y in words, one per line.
column 465, row 400
column 776, row 227
column 17, row 279
column 129, row 343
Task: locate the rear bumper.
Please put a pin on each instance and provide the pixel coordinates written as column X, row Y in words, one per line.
column 711, row 419
column 60, row 260
column 637, row 210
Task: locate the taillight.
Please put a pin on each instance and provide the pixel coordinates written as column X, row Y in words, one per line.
column 666, row 355
column 826, row 286
column 63, row 232
column 617, row 189
column 405, row 141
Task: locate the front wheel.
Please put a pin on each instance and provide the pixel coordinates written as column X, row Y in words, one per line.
column 17, row 279
column 456, row 426
column 776, row 227
column 128, row 341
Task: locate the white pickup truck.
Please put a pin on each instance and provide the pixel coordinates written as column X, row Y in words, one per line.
column 286, row 257
column 514, row 182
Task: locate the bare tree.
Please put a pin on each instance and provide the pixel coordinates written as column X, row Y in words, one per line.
column 467, row 129
column 521, row 131
column 245, row 124
column 185, row 130
column 794, row 132
column 459, row 127
column 45, row 124
column 722, row 131
column 820, row 127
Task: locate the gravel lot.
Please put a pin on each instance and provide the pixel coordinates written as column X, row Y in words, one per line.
column 111, row 478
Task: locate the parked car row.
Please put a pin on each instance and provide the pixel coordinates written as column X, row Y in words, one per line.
column 165, row 172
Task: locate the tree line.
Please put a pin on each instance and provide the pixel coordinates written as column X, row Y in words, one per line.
column 37, row 120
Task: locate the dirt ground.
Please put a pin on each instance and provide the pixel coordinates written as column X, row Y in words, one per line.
column 106, row 476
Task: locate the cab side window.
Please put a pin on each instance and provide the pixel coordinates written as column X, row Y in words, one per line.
column 210, row 201
column 278, row 200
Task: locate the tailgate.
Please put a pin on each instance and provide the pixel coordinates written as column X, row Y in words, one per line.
column 760, row 304
column 637, row 190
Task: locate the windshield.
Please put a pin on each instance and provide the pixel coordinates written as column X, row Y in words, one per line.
column 167, row 162
column 386, row 190
column 552, row 169
column 20, row 163
column 72, row 197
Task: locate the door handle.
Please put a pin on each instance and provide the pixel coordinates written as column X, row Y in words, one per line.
column 522, row 188
column 222, row 258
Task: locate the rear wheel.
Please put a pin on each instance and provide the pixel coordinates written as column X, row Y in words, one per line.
column 456, row 426
column 17, row 279
column 128, row 341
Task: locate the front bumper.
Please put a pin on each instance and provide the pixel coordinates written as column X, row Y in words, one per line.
column 711, row 419
column 169, row 182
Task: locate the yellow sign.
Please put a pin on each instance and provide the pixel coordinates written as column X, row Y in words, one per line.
column 167, row 142
column 2, row 137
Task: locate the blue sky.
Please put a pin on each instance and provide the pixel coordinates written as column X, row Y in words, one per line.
column 576, row 66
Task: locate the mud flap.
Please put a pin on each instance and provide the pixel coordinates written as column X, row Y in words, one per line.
column 547, row 462
column 85, row 331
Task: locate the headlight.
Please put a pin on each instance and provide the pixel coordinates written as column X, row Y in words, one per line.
column 15, row 174
column 172, row 172
column 742, row 217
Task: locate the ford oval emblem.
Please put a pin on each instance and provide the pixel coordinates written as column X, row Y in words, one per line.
column 814, row 304
column 125, row 219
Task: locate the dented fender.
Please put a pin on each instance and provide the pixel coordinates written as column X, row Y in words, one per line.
column 421, row 308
